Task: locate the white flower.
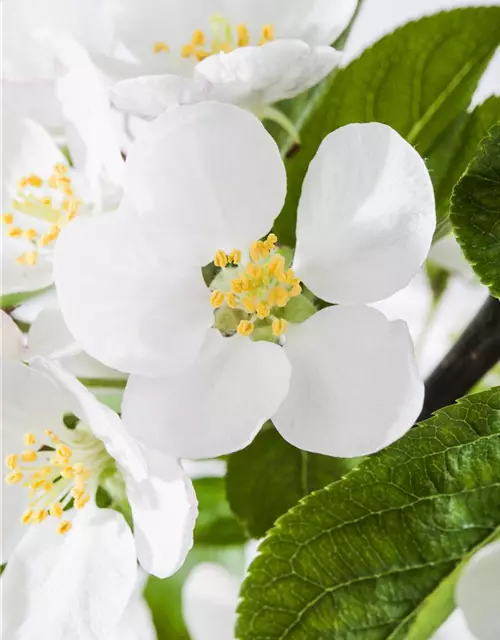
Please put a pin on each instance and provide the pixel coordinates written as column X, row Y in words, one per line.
column 247, row 52
column 73, row 571
column 476, row 596
column 41, row 193
column 208, row 180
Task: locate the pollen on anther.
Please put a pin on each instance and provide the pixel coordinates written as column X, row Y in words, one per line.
column 29, row 439
column 160, row 47
column 217, row 299
column 245, row 328
column 64, row 527
column 29, row 456
column 7, row 218
column 11, row 461
column 279, row 327
column 220, row 259
column 56, row 510
column 14, row 478
column 243, row 35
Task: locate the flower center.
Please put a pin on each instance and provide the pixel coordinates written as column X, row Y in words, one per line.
column 52, row 202
column 223, row 39
column 253, row 291
column 57, row 473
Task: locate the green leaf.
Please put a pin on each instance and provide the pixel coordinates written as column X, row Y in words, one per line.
column 269, row 476
column 12, row 300
column 362, row 558
column 475, row 212
column 216, row 524
column 456, row 148
column 418, row 79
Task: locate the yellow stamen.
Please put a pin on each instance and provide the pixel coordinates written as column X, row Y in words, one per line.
column 29, row 439
column 15, row 232
column 61, row 169
column 245, row 328
column 243, row 35
column 267, row 34
column 236, row 285
column 198, row 38
column 262, row 310
column 231, row 300
column 295, row 291
column 82, row 500
column 50, row 434
column 248, row 304
column 31, row 258
column 14, row 478
column 279, row 327
column 254, row 271
column 217, row 299
column 187, row 50
column 160, row 47
column 235, row 256
column 220, row 259
column 11, row 461
column 30, row 234
column 53, row 182
column 64, row 527
column 201, row 55
column 39, row 516
column 278, row 296
column 7, row 218
column 64, row 452
column 29, row 456
column 68, row 472
column 56, row 510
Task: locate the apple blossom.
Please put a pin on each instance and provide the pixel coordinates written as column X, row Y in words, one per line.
column 246, row 52
column 207, row 180
column 72, row 445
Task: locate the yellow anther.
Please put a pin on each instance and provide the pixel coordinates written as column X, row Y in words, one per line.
column 262, row 310
column 7, row 218
column 50, row 434
column 45, row 240
column 77, row 492
column 243, row 35
column 55, row 231
column 11, row 461
column 79, row 468
column 254, row 271
column 231, row 300
column 64, row 452
column 235, row 256
column 160, row 47
column 37, row 484
column 68, row 472
column 201, row 55
column 21, row 259
column 39, row 516
column 81, row 501
column 15, row 232
column 276, row 266
column 29, row 456
column 245, row 328
column 60, row 169
column 29, row 439
column 217, row 299
column 220, row 259
column 27, row 517
column 30, row 234
column 237, row 285
column 295, row 291
column 272, row 238
column 256, row 250
column 198, row 38
column 14, row 478
column 46, row 201
column 64, row 527
column 248, row 304
column 187, row 50
column 48, row 486
column 56, row 510
column 52, row 181
column 34, row 180
column 279, row 327
column 267, row 34
column 278, row 296
column 31, row 258
column 224, row 47
column 22, row 183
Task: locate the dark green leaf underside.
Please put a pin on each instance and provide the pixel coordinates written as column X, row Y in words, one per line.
column 475, row 212
column 357, row 560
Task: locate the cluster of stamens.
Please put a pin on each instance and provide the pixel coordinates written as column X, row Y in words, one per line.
column 54, row 479
column 257, row 288
column 57, row 209
column 223, row 40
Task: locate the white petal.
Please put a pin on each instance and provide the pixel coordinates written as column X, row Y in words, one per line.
column 150, row 96
column 354, row 388
column 136, row 623
column 126, row 304
column 216, row 407
column 208, row 177
column 27, row 148
column 164, row 509
column 209, row 601
column 257, row 76
column 17, row 278
column 90, row 124
column 32, row 401
column 35, row 100
column 477, row 593
column 104, row 423
column 72, row 586
column 12, row 339
column 366, row 215
column 49, row 335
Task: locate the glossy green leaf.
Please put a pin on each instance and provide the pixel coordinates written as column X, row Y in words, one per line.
column 269, row 476
column 475, row 212
column 216, row 524
column 456, row 148
column 360, row 559
column 418, row 79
